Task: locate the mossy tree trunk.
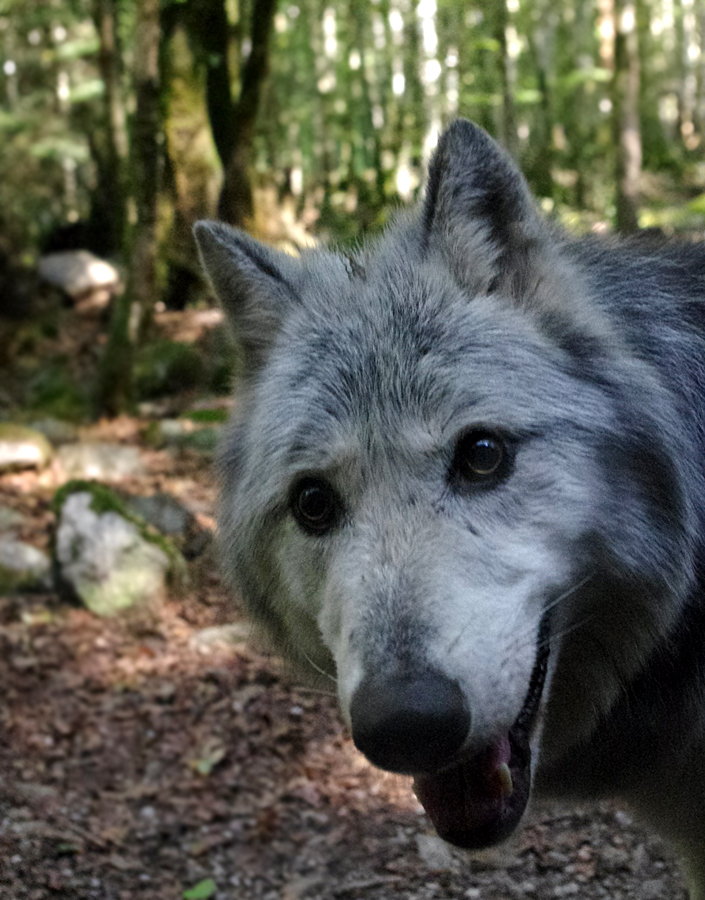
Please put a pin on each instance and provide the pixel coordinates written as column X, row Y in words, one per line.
column 132, row 311
column 236, row 203
column 232, row 121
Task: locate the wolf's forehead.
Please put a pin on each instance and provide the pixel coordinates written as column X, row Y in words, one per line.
column 386, row 343
column 404, row 364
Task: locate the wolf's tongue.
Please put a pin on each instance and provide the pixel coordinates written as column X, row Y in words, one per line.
column 480, row 800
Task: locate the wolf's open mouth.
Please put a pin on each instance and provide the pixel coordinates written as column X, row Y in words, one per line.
column 480, row 800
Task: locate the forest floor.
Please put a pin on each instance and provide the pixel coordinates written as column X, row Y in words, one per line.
column 145, row 763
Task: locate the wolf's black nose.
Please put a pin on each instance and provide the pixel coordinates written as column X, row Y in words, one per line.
column 409, row 724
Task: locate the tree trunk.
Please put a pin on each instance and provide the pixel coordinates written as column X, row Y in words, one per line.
column 500, row 23
column 110, row 147
column 625, row 102
column 541, row 166
column 207, row 24
column 133, row 310
column 236, row 202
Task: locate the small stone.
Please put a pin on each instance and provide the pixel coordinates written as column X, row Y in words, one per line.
column 653, row 889
column 613, row 859
column 164, row 512
column 10, row 520
column 78, row 272
column 435, row 854
column 56, row 431
column 100, row 461
column 223, row 636
column 22, row 567
column 183, row 434
column 22, row 448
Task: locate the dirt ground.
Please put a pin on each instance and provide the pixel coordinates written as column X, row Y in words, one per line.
column 142, row 764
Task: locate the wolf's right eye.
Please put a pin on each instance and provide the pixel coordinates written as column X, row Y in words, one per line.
column 480, row 457
column 315, row 505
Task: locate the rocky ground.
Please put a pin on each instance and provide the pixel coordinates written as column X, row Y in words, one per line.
column 147, row 763
column 168, row 758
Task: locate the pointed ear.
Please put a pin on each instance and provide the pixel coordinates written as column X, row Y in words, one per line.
column 254, row 284
column 479, row 211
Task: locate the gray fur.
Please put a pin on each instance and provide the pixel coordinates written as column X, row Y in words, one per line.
column 590, row 357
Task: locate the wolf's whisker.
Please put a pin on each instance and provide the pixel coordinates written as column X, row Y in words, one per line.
column 529, row 640
column 571, row 590
column 318, row 668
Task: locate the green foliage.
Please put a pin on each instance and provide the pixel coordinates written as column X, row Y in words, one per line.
column 52, row 391
column 166, row 367
column 354, row 93
column 207, row 416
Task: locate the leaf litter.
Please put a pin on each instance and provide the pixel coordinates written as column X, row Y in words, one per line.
column 151, row 765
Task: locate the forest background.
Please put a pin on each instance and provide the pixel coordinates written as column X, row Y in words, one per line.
column 148, row 747
column 124, row 121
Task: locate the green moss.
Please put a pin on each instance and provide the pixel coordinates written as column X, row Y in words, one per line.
column 166, row 367
column 103, row 499
column 207, row 415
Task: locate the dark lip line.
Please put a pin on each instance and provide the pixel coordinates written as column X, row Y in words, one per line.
column 527, row 714
column 529, row 710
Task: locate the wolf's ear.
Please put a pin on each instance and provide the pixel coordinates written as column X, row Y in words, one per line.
column 254, row 284
column 479, row 211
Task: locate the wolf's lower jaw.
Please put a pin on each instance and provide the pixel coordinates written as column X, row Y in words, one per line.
column 480, row 800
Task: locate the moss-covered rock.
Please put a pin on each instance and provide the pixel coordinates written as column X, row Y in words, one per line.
column 183, row 434
column 108, row 556
column 22, row 447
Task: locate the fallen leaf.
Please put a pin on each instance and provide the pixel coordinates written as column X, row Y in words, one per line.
column 201, row 891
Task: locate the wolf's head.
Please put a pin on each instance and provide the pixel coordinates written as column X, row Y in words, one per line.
column 444, row 462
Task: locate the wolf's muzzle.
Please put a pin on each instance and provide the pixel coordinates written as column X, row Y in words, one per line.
column 409, row 724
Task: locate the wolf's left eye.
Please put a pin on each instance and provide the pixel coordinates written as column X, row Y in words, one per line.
column 315, row 505
column 480, row 456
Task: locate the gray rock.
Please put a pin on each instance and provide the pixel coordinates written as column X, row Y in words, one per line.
column 164, row 512
column 78, row 272
column 10, row 520
column 56, row 431
column 435, row 854
column 22, row 567
column 223, row 636
column 654, row 889
column 186, row 435
column 100, row 461
column 107, row 562
column 22, row 448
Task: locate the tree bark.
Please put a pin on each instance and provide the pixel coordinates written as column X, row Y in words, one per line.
column 132, row 311
column 236, row 203
column 145, row 162
column 626, row 125
column 110, row 148
column 208, row 27
column 500, row 22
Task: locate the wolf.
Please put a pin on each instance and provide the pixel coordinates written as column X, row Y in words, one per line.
column 465, row 475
